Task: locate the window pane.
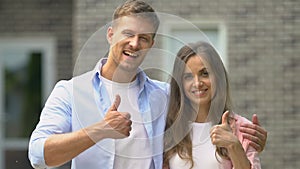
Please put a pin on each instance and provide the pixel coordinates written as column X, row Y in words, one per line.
column 189, row 36
column 22, row 81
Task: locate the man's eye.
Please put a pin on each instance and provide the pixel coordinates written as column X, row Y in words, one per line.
column 144, row 39
column 128, row 34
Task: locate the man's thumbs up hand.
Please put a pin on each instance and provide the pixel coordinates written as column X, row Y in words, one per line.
column 117, row 124
column 116, row 103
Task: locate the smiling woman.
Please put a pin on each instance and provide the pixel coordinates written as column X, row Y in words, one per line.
column 200, row 120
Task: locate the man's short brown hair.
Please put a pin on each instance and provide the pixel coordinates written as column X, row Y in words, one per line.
column 137, row 7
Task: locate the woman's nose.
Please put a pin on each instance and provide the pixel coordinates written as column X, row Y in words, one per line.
column 197, row 81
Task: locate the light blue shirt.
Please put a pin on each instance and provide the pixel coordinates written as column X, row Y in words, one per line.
column 83, row 101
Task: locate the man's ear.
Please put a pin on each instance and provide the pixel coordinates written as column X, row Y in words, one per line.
column 109, row 35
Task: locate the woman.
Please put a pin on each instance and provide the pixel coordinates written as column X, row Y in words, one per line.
column 201, row 129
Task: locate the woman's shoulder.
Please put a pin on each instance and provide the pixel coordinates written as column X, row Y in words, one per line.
column 240, row 119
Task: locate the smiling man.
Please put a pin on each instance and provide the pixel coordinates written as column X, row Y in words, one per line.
column 130, row 38
column 112, row 117
column 105, row 118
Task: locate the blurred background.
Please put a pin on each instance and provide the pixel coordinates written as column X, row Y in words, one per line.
column 40, row 41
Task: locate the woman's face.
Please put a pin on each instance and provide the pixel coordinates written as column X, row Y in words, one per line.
column 197, row 82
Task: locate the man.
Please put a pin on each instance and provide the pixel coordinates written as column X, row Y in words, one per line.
column 114, row 115
column 83, row 111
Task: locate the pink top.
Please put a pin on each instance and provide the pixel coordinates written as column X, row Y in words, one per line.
column 251, row 153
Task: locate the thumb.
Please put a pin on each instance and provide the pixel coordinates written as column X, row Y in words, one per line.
column 116, row 103
column 255, row 119
column 225, row 117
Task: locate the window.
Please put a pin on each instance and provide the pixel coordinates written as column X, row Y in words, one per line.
column 27, row 72
column 183, row 32
column 176, row 32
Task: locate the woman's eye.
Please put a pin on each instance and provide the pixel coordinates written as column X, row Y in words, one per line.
column 204, row 73
column 187, row 77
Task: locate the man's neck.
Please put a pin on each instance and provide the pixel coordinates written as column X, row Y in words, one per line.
column 117, row 74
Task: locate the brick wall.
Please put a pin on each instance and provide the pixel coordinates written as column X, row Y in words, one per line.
column 263, row 63
column 46, row 18
column 34, row 19
column 263, row 42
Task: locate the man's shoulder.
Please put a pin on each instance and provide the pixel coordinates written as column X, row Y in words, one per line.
column 79, row 79
column 158, row 84
column 84, row 76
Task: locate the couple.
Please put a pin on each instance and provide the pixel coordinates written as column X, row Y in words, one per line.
column 116, row 117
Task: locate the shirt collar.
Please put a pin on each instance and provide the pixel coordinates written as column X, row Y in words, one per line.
column 141, row 75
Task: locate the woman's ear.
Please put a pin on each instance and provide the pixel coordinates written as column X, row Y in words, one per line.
column 153, row 41
column 109, row 35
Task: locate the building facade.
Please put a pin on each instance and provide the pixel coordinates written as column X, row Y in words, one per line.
column 259, row 42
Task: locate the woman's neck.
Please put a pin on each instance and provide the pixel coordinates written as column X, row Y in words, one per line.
column 202, row 114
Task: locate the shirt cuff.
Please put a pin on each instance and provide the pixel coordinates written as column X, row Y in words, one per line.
column 36, row 153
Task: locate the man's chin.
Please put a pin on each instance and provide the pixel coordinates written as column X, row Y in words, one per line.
column 128, row 67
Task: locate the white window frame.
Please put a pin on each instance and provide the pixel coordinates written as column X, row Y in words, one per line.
column 170, row 25
column 47, row 46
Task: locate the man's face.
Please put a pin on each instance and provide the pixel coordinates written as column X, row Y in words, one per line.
column 130, row 38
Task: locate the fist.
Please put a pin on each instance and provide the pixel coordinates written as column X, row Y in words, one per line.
column 117, row 124
column 221, row 135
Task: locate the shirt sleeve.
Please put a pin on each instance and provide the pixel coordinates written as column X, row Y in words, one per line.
column 251, row 153
column 55, row 119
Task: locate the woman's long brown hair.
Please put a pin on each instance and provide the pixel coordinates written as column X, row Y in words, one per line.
column 180, row 112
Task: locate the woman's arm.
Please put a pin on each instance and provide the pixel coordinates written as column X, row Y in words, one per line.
column 222, row 136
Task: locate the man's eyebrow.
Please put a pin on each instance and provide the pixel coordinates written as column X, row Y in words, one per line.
column 133, row 32
column 127, row 31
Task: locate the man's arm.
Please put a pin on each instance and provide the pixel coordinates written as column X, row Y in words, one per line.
column 61, row 148
column 255, row 133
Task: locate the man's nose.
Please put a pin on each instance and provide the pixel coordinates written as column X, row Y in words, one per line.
column 134, row 42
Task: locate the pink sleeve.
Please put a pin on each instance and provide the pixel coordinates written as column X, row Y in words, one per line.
column 251, row 153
